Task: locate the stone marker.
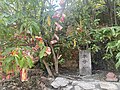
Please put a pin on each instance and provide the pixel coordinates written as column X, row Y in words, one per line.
column 85, row 62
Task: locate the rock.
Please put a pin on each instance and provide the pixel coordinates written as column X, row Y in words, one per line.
column 108, row 86
column 4, row 88
column 68, row 88
column 111, row 77
column 118, row 85
column 77, row 88
column 75, row 83
column 60, row 82
column 14, row 87
column 97, row 86
column 84, row 85
column 87, row 85
column 49, row 89
column 88, row 80
column 50, row 80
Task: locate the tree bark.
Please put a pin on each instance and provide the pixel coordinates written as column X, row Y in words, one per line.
column 48, row 69
column 109, row 5
column 115, row 18
column 55, row 60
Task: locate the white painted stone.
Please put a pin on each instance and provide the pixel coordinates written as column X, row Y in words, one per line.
column 96, row 89
column 77, row 88
column 75, row 83
column 68, row 88
column 108, row 86
column 118, row 85
column 59, row 81
column 87, row 85
column 84, row 85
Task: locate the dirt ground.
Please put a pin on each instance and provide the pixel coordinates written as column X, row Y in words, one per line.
column 37, row 81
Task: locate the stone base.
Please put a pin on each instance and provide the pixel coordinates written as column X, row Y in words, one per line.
column 61, row 83
column 112, row 79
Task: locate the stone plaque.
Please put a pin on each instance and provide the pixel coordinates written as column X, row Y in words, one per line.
column 85, row 62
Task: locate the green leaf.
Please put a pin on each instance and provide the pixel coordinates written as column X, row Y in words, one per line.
column 41, row 54
column 35, row 26
column 9, row 59
column 30, row 62
column 27, row 47
column 7, row 51
column 118, row 56
column 22, row 27
column 22, row 62
column 20, row 54
column 31, row 30
column 118, row 44
column 113, row 31
column 41, row 44
column 117, row 64
column 16, row 59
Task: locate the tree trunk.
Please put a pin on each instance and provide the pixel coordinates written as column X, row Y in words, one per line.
column 48, row 69
column 115, row 18
column 55, row 60
column 109, row 5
